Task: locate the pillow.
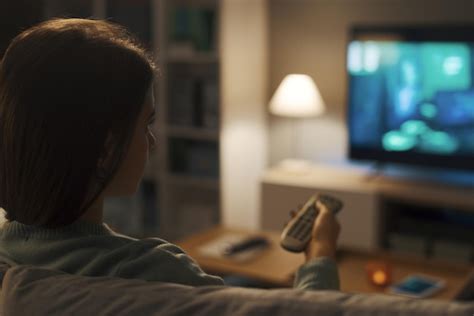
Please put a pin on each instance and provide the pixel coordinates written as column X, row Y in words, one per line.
column 29, row 290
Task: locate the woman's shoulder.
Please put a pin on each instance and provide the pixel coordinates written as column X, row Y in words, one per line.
column 148, row 244
column 148, row 241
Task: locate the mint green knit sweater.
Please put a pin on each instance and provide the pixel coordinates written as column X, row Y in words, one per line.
column 91, row 249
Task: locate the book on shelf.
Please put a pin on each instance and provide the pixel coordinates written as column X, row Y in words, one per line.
column 178, row 155
column 203, row 29
column 182, row 101
column 194, row 102
column 203, row 160
column 210, row 104
column 195, row 158
column 191, row 30
column 180, row 44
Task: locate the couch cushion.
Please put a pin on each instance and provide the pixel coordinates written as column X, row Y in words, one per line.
column 31, row 290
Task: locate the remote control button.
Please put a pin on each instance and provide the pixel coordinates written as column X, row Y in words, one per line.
column 301, row 228
column 305, row 231
column 301, row 232
column 310, row 217
column 294, row 229
column 299, row 237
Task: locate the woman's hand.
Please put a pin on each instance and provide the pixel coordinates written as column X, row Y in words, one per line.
column 324, row 237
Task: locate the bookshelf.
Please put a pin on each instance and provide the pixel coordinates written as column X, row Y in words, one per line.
column 188, row 100
column 180, row 192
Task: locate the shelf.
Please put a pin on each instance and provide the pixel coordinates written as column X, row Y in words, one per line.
column 189, row 180
column 195, row 58
column 195, row 133
column 196, row 3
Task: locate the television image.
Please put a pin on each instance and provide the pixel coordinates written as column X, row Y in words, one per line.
column 411, row 95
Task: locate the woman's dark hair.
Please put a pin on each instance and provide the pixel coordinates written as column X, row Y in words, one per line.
column 71, row 91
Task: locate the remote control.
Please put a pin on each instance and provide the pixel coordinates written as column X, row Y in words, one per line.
column 247, row 244
column 297, row 232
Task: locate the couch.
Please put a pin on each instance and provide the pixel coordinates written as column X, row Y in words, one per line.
column 28, row 290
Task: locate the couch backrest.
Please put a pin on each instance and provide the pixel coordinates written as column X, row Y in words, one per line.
column 29, row 290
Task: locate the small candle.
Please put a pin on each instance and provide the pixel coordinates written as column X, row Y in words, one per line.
column 379, row 273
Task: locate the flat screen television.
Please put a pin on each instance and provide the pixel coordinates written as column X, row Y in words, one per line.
column 411, row 95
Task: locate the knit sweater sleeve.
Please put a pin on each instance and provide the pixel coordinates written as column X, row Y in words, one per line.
column 154, row 259
column 317, row 274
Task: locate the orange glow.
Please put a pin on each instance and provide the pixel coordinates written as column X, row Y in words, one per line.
column 379, row 273
column 379, row 277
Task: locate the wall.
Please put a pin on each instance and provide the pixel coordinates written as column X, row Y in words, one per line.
column 15, row 16
column 244, row 81
column 309, row 36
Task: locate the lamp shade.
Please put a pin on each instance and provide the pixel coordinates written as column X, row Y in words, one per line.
column 297, row 96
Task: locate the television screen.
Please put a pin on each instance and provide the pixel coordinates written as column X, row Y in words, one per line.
column 411, row 95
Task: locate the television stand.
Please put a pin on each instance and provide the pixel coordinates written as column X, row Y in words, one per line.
column 376, row 171
column 393, row 172
column 368, row 203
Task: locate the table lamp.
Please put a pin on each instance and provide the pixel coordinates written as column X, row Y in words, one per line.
column 297, row 97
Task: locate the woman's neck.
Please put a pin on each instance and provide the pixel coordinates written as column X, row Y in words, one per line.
column 95, row 212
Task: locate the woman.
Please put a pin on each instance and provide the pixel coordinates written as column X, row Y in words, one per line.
column 76, row 110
